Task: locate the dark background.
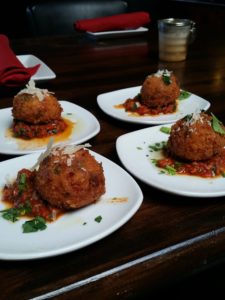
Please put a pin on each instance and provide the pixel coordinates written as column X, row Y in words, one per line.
column 13, row 20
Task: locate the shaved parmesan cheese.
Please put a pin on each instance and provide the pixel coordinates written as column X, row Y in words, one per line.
column 44, row 154
column 69, row 151
column 34, row 91
column 195, row 117
column 59, row 150
column 164, row 72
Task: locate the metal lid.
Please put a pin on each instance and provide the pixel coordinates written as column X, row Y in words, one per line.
column 176, row 22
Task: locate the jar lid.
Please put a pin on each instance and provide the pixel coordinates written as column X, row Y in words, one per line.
column 176, row 22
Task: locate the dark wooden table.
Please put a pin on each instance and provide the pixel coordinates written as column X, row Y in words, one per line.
column 170, row 238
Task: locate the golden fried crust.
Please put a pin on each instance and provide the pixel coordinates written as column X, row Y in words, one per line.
column 195, row 141
column 73, row 186
column 155, row 93
column 29, row 108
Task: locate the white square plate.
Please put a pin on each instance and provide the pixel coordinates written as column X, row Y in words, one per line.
column 108, row 101
column 43, row 73
column 133, row 151
column 75, row 229
column 85, row 127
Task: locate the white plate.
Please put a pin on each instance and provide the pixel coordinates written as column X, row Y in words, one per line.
column 107, row 102
column 132, row 149
column 86, row 127
column 69, row 233
column 117, row 33
column 43, row 73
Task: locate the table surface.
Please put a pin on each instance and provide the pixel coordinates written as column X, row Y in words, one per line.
column 170, row 237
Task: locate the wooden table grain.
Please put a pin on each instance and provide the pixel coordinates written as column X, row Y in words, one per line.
column 170, row 237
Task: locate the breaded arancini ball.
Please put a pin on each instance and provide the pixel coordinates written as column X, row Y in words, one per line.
column 160, row 89
column 69, row 178
column 35, row 106
column 193, row 138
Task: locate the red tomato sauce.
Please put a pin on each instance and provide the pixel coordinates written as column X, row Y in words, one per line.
column 22, row 193
column 213, row 167
column 28, row 131
column 135, row 107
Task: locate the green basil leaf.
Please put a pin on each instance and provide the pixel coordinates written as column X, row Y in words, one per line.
column 98, row 219
column 217, row 125
column 22, row 182
column 34, row 225
column 165, row 129
column 11, row 214
column 166, row 79
column 184, row 95
column 157, row 146
column 170, row 170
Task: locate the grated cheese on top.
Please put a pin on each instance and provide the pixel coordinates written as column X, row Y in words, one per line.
column 31, row 89
column 165, row 72
column 69, row 150
column 196, row 117
column 159, row 73
column 44, row 154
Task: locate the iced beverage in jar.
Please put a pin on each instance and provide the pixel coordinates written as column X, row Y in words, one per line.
column 174, row 37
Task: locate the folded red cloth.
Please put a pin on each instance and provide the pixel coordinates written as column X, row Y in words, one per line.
column 116, row 22
column 12, row 72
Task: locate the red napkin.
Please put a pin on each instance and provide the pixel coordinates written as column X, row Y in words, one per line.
column 12, row 72
column 116, row 22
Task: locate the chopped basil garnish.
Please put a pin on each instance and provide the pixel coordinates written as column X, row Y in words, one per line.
column 22, row 182
column 11, row 214
column 166, row 78
column 170, row 170
column 154, row 161
column 134, row 106
column 184, row 95
column 165, row 129
column 157, row 146
column 187, row 117
column 34, row 225
column 98, row 219
column 217, row 125
column 14, row 213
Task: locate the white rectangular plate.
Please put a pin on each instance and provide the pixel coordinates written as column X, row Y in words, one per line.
column 117, row 33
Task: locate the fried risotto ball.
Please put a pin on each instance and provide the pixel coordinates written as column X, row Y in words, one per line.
column 70, row 179
column 194, row 139
column 160, row 89
column 36, row 106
